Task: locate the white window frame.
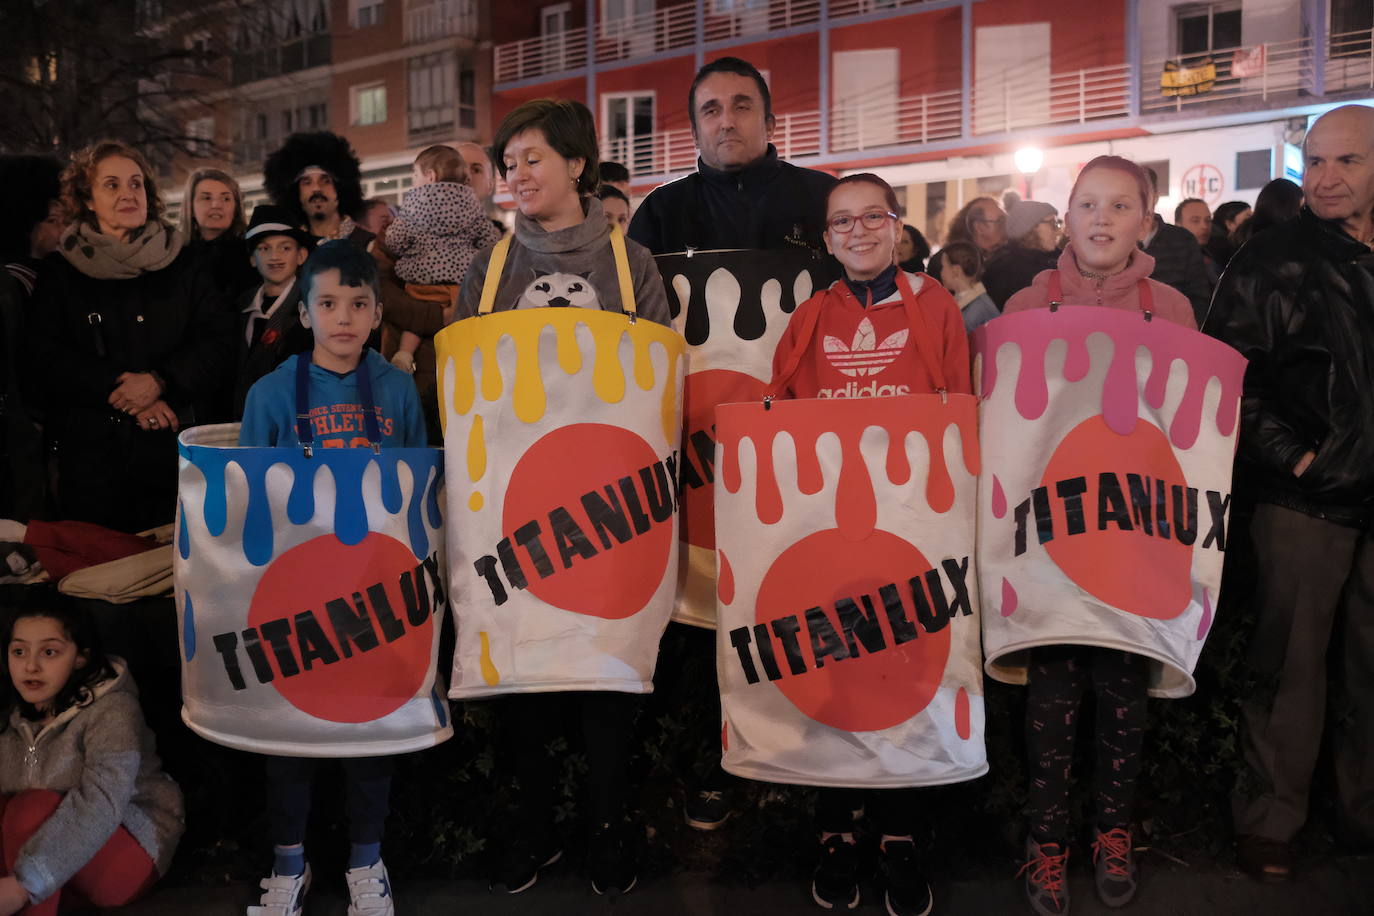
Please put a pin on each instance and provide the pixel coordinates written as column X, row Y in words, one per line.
column 445, row 82
column 363, row 14
column 1208, row 8
column 628, row 143
column 357, row 104
column 562, row 10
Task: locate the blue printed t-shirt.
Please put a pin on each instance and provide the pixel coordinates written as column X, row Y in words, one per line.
column 336, row 410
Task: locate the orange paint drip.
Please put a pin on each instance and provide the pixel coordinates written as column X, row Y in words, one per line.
column 963, row 715
column 856, row 505
column 805, row 421
column 725, row 580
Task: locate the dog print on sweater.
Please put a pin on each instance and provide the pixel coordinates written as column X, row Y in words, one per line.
column 559, row 290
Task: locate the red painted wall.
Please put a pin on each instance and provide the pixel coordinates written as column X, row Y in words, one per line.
column 513, row 20
column 1077, row 39
column 930, row 48
column 792, row 65
column 502, row 103
column 668, row 80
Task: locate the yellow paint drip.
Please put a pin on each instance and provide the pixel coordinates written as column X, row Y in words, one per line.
column 477, row 450
column 672, row 419
column 489, row 672
column 475, row 502
column 608, row 375
column 479, row 338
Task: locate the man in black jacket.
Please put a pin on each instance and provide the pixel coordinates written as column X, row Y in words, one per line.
column 741, row 195
column 1298, row 303
column 1178, row 259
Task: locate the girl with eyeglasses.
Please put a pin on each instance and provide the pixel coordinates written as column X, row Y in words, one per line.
column 865, row 344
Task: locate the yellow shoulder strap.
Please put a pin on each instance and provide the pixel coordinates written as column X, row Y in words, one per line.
column 622, row 270
column 493, row 278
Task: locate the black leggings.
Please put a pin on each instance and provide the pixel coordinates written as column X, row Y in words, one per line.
column 1059, row 678
column 893, row 811
column 531, row 721
column 367, row 796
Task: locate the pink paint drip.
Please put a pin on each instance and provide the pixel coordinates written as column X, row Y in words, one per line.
column 1009, row 599
column 1205, row 358
column 999, row 498
column 1204, row 625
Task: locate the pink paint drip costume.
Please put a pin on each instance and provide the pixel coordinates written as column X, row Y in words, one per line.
column 1059, row 676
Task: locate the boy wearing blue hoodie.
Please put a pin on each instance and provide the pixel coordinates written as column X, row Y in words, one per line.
column 343, row 383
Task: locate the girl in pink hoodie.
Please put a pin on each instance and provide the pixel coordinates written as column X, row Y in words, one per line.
column 1108, row 211
column 1102, row 264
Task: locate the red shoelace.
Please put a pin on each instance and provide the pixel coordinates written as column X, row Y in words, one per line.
column 1047, row 870
column 1116, row 846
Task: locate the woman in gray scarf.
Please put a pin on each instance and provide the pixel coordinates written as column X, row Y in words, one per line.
column 129, row 341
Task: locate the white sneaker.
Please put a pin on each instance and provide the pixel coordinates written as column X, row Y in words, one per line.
column 369, row 891
column 282, row 895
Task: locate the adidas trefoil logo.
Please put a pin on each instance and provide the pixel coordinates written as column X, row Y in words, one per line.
column 865, row 356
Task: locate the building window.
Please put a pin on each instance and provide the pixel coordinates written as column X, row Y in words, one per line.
column 556, row 19
column 1352, row 27
column 433, row 84
column 1206, row 27
column 1253, row 168
column 364, row 13
column 467, row 99
column 201, row 134
column 627, row 135
column 369, row 104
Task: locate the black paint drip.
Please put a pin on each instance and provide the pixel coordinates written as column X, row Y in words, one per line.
column 751, row 269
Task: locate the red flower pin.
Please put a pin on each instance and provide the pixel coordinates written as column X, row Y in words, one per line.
column 269, row 337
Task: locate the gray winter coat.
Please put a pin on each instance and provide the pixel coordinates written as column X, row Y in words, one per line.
column 101, row 757
column 570, row 267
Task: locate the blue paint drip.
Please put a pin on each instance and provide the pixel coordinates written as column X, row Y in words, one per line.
column 350, row 511
column 183, row 538
column 436, row 515
column 188, row 628
column 440, row 707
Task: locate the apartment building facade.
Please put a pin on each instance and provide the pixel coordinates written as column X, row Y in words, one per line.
column 393, row 76
column 937, row 95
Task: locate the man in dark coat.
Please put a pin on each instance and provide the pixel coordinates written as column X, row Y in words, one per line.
column 741, row 195
column 1178, row 259
column 1297, row 301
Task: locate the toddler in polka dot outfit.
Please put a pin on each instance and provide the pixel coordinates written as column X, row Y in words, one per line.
column 441, row 226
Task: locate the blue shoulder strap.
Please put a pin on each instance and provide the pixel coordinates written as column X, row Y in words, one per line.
column 303, row 431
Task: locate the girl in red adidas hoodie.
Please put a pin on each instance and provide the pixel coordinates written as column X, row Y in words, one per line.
column 877, row 332
column 863, row 344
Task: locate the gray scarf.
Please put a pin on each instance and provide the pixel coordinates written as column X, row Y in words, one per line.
column 105, row 257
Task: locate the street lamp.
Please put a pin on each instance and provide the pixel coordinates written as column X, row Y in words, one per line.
column 1028, row 160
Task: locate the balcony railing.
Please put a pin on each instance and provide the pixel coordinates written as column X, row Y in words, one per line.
column 669, row 152
column 288, row 57
column 427, row 20
column 541, row 55
column 1015, row 101
column 649, row 33
column 911, row 119
column 723, row 21
column 1234, row 77
column 1350, row 61
column 840, row 9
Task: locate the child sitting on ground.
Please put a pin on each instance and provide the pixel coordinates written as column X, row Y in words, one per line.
column 441, row 226
column 84, row 804
column 347, row 387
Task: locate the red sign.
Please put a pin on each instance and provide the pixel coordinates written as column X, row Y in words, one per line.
column 1205, row 182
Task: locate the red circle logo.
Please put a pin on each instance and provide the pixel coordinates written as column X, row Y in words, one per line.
column 354, row 661
column 702, row 393
column 608, row 566
column 1115, row 559
column 871, row 691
